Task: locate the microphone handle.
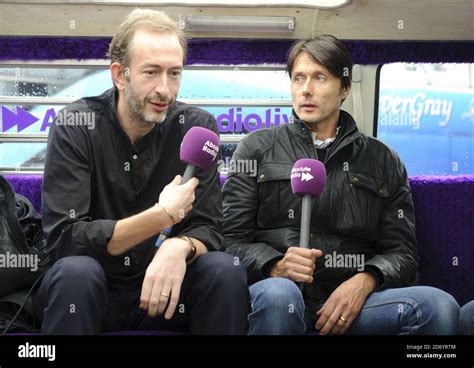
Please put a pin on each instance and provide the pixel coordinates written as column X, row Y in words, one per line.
column 305, row 220
column 305, row 226
column 188, row 174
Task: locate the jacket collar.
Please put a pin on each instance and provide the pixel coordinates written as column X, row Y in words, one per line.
column 349, row 130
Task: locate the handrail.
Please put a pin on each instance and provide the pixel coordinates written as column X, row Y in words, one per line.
column 43, row 138
column 104, row 64
column 23, row 138
column 264, row 102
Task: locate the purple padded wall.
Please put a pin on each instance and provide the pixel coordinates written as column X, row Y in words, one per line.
column 211, row 51
column 445, row 233
column 29, row 186
column 444, row 226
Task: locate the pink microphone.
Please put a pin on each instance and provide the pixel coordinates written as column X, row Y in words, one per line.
column 199, row 148
column 308, row 178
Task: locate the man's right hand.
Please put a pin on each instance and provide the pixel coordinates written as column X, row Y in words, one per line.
column 178, row 198
column 298, row 264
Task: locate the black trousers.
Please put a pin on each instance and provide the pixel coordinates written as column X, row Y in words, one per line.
column 75, row 298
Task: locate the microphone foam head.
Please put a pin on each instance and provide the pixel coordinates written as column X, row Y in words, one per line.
column 308, row 176
column 199, row 147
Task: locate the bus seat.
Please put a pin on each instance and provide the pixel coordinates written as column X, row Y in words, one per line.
column 445, row 233
column 29, row 186
column 444, row 225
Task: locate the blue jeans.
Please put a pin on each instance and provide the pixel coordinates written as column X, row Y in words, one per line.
column 466, row 322
column 277, row 308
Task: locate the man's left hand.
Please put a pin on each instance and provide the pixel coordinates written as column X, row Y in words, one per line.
column 344, row 304
column 163, row 278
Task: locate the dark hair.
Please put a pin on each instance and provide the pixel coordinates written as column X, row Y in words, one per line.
column 328, row 51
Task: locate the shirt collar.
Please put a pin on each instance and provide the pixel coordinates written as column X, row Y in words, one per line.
column 319, row 144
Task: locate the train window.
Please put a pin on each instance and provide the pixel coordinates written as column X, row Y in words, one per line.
column 21, row 155
column 242, row 99
column 426, row 114
column 30, row 97
column 51, row 81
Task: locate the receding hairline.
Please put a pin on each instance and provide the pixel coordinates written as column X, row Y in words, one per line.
column 163, row 32
column 148, row 19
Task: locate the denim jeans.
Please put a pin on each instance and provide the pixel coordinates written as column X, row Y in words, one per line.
column 466, row 322
column 277, row 308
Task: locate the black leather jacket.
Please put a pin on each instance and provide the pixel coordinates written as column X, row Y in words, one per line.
column 365, row 209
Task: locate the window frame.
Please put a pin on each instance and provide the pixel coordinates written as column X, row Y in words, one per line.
column 104, row 64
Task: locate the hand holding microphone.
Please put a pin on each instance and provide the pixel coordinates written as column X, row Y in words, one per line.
column 308, row 178
column 199, row 148
column 176, row 199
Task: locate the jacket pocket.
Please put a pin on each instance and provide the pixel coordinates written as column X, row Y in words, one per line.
column 277, row 203
column 363, row 202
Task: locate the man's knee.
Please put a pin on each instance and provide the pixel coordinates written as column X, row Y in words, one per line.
column 72, row 284
column 277, row 308
column 442, row 302
column 466, row 320
column 439, row 309
column 277, row 294
column 222, row 269
column 76, row 271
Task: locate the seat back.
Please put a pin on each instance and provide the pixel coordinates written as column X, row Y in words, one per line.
column 444, row 228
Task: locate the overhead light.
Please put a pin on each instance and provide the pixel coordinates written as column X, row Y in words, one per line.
column 239, row 24
column 315, row 4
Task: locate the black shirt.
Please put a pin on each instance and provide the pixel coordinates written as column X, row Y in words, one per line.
column 94, row 176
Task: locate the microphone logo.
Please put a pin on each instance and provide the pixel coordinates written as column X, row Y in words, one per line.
column 306, row 177
column 304, row 173
column 211, row 148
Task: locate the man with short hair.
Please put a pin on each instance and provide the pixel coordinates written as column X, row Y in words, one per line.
column 109, row 191
column 362, row 261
